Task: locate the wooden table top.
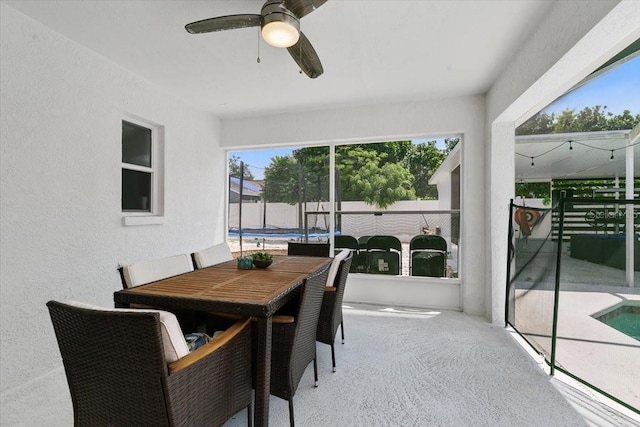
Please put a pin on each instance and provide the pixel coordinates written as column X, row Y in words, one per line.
column 224, row 287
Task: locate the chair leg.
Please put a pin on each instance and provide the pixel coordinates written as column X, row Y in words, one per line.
column 291, row 422
column 250, row 413
column 315, row 371
column 342, row 330
column 333, row 357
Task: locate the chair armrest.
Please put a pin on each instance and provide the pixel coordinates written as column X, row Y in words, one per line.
column 209, row 347
column 233, row 316
column 282, row 319
column 330, row 289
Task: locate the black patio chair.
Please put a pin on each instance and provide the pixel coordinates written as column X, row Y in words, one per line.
column 294, row 341
column 331, row 311
column 122, row 369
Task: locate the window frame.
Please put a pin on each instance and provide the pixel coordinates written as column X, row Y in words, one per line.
column 156, row 171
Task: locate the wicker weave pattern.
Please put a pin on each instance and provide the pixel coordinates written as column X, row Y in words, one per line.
column 331, row 312
column 294, row 345
column 117, row 374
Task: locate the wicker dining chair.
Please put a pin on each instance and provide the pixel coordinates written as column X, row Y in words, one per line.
column 212, row 255
column 123, row 369
column 144, row 272
column 294, row 341
column 308, row 249
column 331, row 310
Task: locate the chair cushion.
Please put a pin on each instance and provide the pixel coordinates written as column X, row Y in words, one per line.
column 335, row 265
column 173, row 342
column 213, row 255
column 150, row 271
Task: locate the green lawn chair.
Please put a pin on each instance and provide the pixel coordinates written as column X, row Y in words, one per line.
column 428, row 255
column 384, row 255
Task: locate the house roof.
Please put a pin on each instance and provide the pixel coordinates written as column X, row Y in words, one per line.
column 373, row 52
column 249, row 188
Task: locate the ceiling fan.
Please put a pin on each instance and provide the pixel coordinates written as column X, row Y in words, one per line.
column 280, row 26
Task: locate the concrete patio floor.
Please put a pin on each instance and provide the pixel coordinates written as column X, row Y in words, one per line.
column 398, row 367
column 588, row 348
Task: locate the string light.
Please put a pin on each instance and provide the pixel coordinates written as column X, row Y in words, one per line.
column 570, row 142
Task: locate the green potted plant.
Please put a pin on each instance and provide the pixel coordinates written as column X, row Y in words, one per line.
column 262, row 259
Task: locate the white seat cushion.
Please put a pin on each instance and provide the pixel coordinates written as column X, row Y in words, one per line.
column 173, row 342
column 150, row 271
column 335, row 265
column 213, row 255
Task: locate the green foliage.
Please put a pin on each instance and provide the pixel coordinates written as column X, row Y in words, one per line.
column 534, row 190
column 379, row 174
column 587, row 188
column 589, row 119
column 234, row 169
column 264, row 256
column 314, row 164
column 282, row 180
column 380, row 186
column 422, row 162
column 450, row 144
column 539, row 124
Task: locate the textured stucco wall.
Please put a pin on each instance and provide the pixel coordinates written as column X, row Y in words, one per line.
column 62, row 232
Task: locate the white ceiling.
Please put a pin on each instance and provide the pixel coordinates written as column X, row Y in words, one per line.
column 373, row 51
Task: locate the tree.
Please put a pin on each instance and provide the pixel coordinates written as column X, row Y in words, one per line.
column 622, row 121
column 422, row 161
column 234, row 169
column 449, row 145
column 589, row 119
column 539, row 124
column 378, row 174
column 366, row 176
column 282, row 180
column 314, row 164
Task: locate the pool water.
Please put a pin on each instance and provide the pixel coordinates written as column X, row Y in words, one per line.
column 625, row 318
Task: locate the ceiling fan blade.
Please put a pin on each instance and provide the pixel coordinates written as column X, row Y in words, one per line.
column 222, row 23
column 306, row 57
column 301, row 8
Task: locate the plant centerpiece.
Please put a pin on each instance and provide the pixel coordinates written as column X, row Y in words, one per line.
column 245, row 263
column 262, row 259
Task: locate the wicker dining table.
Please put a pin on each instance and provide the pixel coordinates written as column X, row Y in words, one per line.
column 225, row 288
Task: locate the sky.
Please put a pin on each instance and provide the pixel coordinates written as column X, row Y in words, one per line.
column 617, row 88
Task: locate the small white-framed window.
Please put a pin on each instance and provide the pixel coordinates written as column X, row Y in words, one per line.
column 142, row 165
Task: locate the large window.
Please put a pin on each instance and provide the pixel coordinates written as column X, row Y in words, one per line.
column 395, row 188
column 140, row 164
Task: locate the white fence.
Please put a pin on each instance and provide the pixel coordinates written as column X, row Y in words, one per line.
column 285, row 216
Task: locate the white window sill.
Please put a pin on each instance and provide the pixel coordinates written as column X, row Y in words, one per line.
column 142, row 220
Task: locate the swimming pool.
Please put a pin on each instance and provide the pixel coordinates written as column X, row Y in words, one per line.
column 624, row 317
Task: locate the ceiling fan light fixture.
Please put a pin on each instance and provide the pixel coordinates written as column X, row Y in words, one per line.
column 280, row 28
